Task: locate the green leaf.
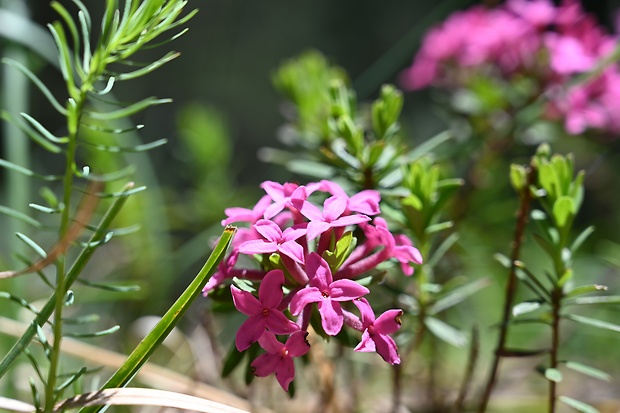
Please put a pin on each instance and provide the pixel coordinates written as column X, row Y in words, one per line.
column 37, row 82
column 78, row 266
column 554, row 375
column 129, row 110
column 33, row 245
column 151, row 67
column 576, row 404
column 458, row 295
column 427, row 146
column 525, row 307
column 27, row 172
column 232, row 360
column 581, row 238
column 442, row 249
column 28, row 130
column 563, row 209
column 431, row 229
column 518, row 177
column 136, row 148
column 503, row 260
column 593, row 322
column 343, row 249
column 445, row 332
column 156, row 336
column 20, row 216
column 588, row 371
column 41, row 129
column 101, row 333
column 58, row 33
column 598, row 299
column 109, row 287
column 586, row 289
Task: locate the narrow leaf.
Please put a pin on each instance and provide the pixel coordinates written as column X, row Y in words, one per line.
column 588, row 371
column 26, row 171
column 597, row 299
column 151, row 342
column 77, row 268
column 37, row 82
column 458, row 295
column 586, row 289
column 525, row 307
column 101, row 333
column 20, row 216
column 33, row 245
column 445, row 332
column 42, row 130
column 576, row 404
column 129, row 110
column 594, row 322
column 148, row 69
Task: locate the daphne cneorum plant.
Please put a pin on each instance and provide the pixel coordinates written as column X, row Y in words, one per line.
column 302, row 251
column 93, row 60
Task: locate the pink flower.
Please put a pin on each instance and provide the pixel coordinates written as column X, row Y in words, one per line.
column 568, row 54
column 247, row 215
column 540, row 13
column 365, row 202
column 282, row 195
column 263, row 311
column 331, row 217
column 327, row 293
column 275, row 241
column 375, row 336
column 279, row 357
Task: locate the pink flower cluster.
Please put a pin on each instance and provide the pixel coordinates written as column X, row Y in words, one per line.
column 307, row 256
column 531, row 38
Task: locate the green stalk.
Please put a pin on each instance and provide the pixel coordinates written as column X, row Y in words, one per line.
column 61, row 284
column 141, row 354
column 81, row 261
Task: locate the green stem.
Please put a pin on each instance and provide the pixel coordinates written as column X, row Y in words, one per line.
column 61, row 280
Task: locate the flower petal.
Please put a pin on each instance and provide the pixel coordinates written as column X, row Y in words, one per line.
column 331, row 316
column 270, row 290
column 292, row 250
column 368, row 316
column 249, row 332
column 257, row 246
column 316, row 228
column 285, row 372
column 334, row 207
column 365, row 202
column 346, row 290
column 366, row 345
column 270, row 343
column 350, row 220
column 318, row 272
column 304, row 297
column 308, row 210
column 278, row 323
column 245, row 302
column 297, row 344
column 265, row 364
column 386, row 347
column 269, row 230
column 388, row 322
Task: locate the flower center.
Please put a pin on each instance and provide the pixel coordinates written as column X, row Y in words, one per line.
column 265, row 312
column 325, row 294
